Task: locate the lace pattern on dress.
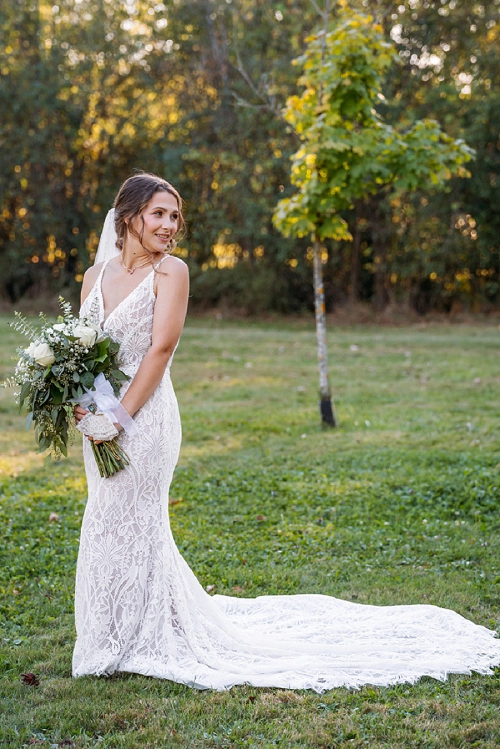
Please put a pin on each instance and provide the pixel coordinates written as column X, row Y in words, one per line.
column 139, row 607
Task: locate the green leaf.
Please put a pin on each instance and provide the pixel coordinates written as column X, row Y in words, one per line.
column 103, row 346
column 46, row 397
column 44, row 442
column 87, row 380
column 119, row 375
column 56, row 395
column 24, row 392
column 104, row 357
column 29, row 420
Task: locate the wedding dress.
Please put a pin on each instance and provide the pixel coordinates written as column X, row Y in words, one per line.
column 139, row 608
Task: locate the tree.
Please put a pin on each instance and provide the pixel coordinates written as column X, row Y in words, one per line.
column 348, row 151
column 81, row 106
column 90, row 90
column 445, row 246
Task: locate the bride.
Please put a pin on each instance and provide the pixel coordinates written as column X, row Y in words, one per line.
column 138, row 606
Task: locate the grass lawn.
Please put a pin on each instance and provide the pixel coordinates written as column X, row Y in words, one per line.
column 397, row 505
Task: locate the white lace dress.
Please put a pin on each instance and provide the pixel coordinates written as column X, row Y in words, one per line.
column 140, row 609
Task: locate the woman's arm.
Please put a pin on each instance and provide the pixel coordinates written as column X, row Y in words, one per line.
column 172, row 284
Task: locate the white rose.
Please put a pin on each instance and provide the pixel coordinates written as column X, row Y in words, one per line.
column 99, row 333
column 60, row 327
column 86, row 335
column 41, row 353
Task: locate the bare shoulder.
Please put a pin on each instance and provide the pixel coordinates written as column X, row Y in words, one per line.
column 90, row 277
column 172, row 270
column 92, row 272
column 174, row 266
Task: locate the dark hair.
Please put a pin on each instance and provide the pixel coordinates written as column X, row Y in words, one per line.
column 133, row 196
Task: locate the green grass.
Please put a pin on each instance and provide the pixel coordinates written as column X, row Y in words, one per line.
column 397, row 505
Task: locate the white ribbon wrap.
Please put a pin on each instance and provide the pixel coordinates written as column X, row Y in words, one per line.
column 106, row 401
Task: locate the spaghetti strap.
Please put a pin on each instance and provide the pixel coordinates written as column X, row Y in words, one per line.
column 155, row 267
column 101, row 272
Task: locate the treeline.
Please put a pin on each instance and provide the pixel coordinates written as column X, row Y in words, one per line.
column 192, row 90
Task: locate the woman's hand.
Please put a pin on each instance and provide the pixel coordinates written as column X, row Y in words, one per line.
column 79, row 412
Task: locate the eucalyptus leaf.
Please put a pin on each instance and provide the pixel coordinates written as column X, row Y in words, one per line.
column 55, row 395
column 119, row 375
column 87, row 380
column 24, row 392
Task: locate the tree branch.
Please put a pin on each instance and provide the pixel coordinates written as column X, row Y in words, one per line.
column 262, row 92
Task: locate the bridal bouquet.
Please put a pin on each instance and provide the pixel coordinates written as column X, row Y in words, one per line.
column 68, row 362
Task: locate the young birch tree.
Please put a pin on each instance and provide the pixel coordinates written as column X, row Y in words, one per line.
column 348, row 152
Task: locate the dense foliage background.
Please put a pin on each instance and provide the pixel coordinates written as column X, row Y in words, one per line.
column 91, row 89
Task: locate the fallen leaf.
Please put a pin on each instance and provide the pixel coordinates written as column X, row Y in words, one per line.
column 260, row 518
column 173, row 501
column 53, row 517
column 30, row 679
column 238, row 589
column 210, row 588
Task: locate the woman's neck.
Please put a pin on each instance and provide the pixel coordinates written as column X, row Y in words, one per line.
column 134, row 255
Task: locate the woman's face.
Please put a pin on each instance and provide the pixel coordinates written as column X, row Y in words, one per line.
column 161, row 221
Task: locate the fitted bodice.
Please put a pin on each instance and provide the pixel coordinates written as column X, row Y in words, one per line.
column 131, row 322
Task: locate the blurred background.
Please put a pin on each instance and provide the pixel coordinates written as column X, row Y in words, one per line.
column 191, row 89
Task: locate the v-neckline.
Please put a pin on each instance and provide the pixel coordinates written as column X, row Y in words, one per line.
column 104, row 320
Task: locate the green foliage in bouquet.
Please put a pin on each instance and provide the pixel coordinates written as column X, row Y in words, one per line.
column 58, row 367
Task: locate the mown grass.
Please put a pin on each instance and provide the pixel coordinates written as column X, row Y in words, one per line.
column 397, row 505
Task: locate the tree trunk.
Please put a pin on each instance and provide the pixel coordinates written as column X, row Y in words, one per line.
column 380, row 238
column 355, row 258
column 325, row 399
column 380, row 277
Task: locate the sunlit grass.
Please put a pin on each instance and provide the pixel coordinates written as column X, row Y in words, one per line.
column 399, row 504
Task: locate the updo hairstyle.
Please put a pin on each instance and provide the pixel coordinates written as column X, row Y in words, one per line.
column 133, row 196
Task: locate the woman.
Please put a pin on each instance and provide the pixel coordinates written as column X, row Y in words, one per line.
column 138, row 606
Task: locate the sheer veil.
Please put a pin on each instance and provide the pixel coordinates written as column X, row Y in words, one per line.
column 107, row 243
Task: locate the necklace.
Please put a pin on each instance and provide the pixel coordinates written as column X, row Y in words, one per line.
column 132, row 270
